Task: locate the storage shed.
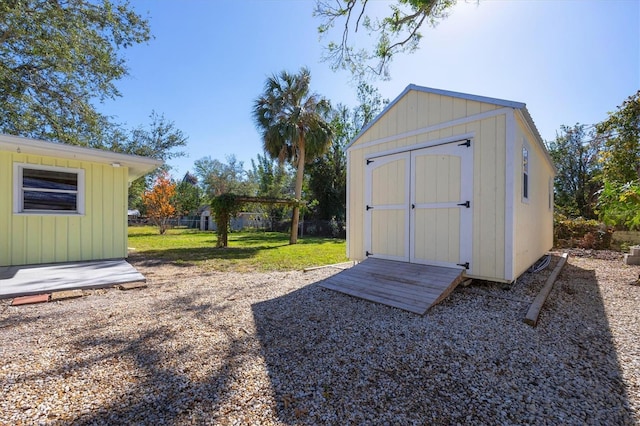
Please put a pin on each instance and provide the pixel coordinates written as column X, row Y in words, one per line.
column 63, row 203
column 451, row 179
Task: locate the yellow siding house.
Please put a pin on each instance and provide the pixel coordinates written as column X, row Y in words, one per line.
column 63, row 203
column 451, row 179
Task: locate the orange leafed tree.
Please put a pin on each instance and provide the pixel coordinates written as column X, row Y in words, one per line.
column 159, row 201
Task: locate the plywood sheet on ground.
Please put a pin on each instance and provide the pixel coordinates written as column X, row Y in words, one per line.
column 35, row 279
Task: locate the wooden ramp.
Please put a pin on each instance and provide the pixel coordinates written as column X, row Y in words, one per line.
column 409, row 286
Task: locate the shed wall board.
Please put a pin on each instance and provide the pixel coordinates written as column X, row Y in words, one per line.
column 99, row 233
column 533, row 219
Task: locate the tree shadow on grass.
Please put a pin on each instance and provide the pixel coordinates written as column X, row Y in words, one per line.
column 283, row 239
column 260, row 237
column 188, row 256
column 340, row 360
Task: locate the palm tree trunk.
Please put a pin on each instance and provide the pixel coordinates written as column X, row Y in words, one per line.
column 295, row 218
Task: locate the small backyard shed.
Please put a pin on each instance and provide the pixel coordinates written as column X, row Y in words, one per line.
column 451, row 179
column 63, row 203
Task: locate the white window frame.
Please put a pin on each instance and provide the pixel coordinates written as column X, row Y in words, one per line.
column 526, row 187
column 551, row 194
column 18, row 190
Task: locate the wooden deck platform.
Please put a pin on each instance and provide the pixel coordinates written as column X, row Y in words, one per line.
column 409, row 286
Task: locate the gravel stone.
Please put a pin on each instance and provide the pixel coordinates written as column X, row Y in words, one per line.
column 226, row 348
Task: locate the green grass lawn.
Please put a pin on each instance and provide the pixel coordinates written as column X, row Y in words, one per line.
column 247, row 251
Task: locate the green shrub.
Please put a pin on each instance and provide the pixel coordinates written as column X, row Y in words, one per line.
column 581, row 232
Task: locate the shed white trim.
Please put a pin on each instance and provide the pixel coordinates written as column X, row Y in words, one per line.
column 348, row 208
column 466, row 194
column 440, row 126
column 509, row 214
column 443, row 141
column 406, row 156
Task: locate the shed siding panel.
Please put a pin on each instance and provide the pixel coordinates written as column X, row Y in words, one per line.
column 411, row 115
column 388, row 232
column 98, row 234
column 473, row 108
column 533, row 219
column 501, row 176
column 355, row 231
column 422, row 112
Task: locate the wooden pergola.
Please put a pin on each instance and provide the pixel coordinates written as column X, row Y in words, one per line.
column 223, row 231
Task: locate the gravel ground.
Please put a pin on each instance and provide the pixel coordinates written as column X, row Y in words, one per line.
column 227, row 348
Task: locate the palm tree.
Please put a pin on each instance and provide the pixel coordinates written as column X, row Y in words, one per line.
column 293, row 125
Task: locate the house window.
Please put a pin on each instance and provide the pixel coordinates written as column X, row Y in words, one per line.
column 48, row 189
column 525, row 174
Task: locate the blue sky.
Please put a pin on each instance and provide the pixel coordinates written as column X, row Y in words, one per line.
column 569, row 61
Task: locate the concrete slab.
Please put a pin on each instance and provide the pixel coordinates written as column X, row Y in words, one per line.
column 28, row 300
column 37, row 279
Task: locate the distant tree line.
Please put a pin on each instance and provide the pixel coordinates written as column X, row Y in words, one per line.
column 599, row 168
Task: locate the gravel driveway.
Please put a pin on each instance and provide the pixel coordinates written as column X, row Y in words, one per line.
column 227, row 348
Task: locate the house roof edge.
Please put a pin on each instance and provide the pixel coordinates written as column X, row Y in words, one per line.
column 138, row 165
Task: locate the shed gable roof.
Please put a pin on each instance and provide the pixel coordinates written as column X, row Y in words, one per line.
column 137, row 165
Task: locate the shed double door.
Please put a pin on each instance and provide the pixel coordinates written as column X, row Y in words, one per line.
column 419, row 207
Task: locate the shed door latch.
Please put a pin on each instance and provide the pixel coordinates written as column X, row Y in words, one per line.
column 467, row 143
column 466, row 204
column 465, row 265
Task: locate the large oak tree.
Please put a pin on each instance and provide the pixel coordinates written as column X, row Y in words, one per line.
column 58, row 57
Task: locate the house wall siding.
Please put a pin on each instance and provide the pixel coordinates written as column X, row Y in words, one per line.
column 100, row 233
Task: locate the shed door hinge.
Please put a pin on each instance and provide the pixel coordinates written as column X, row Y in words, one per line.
column 466, row 204
column 369, row 208
column 368, row 254
column 465, row 265
column 369, row 161
column 467, row 143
